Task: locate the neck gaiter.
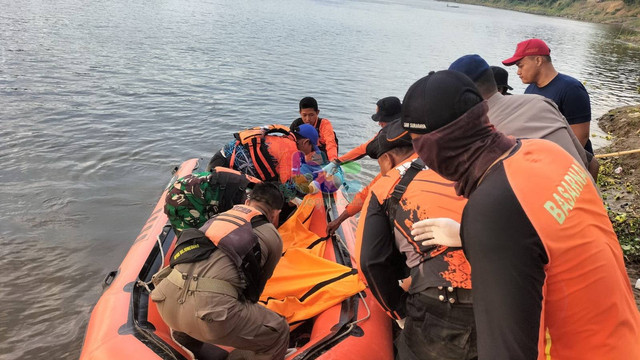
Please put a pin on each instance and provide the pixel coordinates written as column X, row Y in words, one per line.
column 463, row 150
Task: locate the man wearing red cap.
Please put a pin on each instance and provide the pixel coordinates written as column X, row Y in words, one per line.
column 532, row 57
column 522, row 116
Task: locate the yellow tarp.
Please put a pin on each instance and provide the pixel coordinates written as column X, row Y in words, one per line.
column 295, row 231
column 304, row 284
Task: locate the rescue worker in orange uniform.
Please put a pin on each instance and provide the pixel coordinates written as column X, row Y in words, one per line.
column 217, row 273
column 268, row 153
column 387, row 110
column 328, row 141
column 437, row 308
column 549, row 280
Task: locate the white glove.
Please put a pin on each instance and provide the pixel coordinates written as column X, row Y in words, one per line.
column 330, row 168
column 439, row 231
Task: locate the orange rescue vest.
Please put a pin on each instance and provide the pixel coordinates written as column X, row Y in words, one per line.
column 586, row 268
column 232, row 233
column 253, row 140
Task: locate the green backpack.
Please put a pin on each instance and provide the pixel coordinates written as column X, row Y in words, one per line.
column 195, row 198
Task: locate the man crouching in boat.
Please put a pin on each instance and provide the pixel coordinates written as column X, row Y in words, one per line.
column 217, row 273
column 437, row 308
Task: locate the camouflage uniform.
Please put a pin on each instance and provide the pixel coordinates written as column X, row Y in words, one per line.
column 191, row 201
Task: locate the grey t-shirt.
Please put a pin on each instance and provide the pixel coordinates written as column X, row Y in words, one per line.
column 534, row 117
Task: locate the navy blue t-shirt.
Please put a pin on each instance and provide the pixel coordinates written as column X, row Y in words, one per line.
column 570, row 96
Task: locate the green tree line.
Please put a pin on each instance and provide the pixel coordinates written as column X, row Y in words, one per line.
column 556, row 2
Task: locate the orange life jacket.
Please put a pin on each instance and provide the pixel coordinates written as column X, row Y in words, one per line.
column 232, row 233
column 253, row 140
column 427, row 196
column 588, row 308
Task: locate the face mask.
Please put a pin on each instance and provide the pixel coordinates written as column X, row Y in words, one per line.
column 464, row 149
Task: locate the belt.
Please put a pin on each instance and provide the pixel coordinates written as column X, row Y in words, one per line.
column 449, row 294
column 202, row 284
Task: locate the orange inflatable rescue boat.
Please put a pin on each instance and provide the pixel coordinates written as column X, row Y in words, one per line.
column 332, row 315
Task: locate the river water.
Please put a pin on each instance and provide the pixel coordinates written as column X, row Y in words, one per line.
column 99, row 100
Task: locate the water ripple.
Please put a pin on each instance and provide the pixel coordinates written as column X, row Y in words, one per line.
column 100, row 100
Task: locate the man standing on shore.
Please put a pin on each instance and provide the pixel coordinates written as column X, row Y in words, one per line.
column 501, row 76
column 521, row 116
column 532, row 57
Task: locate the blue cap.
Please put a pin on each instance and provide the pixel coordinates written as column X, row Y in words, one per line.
column 309, row 132
column 471, row 65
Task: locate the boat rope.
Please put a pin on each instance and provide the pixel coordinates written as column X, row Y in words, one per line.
column 146, row 284
column 366, row 307
column 360, row 293
column 161, row 251
column 598, row 156
column 346, row 332
column 345, row 247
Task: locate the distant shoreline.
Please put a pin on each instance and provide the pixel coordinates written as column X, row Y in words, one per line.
column 627, row 17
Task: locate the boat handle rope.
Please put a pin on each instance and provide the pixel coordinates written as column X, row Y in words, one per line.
column 366, row 307
column 360, row 293
column 146, row 284
column 350, row 327
column 345, row 247
column 173, row 179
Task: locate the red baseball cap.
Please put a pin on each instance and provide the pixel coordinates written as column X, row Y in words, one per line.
column 531, row 47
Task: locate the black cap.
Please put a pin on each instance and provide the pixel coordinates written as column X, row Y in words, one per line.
column 437, row 100
column 501, row 76
column 389, row 137
column 389, row 109
column 308, row 103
